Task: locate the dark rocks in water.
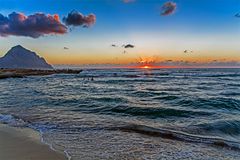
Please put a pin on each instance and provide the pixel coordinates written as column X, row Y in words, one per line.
column 20, row 58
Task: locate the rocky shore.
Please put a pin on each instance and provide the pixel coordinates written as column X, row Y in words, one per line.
column 21, row 73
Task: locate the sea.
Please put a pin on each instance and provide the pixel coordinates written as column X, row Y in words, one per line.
column 130, row 114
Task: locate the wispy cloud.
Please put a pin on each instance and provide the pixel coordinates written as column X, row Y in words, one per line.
column 147, row 60
column 168, row 8
column 128, row 1
column 212, row 63
column 34, row 26
column 237, row 15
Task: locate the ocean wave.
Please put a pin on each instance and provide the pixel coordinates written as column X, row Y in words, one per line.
column 223, row 75
column 228, row 127
column 167, row 98
column 214, row 103
column 164, row 93
column 12, row 121
column 178, row 135
column 232, row 93
column 107, row 99
column 155, row 112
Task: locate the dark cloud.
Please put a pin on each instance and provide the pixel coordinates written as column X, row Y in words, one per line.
column 76, row 18
column 237, row 15
column 114, row 45
column 128, row 46
column 188, row 51
column 66, row 48
column 34, row 26
column 168, row 8
column 3, row 20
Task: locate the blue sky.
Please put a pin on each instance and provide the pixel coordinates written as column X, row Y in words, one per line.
column 205, row 26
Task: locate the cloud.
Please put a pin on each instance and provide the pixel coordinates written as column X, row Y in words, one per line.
column 124, row 46
column 128, row 1
column 212, row 63
column 187, row 51
column 147, row 60
column 237, row 15
column 66, row 48
column 34, row 26
column 128, row 46
column 76, row 18
column 114, row 45
column 168, row 8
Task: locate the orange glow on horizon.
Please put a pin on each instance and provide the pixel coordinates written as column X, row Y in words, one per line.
column 146, row 67
column 172, row 67
column 58, row 58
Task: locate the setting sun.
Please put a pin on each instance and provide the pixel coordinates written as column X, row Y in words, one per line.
column 146, row 67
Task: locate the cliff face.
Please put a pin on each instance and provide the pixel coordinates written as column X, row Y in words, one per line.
column 19, row 57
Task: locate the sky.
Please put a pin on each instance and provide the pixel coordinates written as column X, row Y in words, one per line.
column 123, row 32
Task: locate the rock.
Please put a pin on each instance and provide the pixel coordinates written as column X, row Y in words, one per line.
column 22, row 73
column 20, row 58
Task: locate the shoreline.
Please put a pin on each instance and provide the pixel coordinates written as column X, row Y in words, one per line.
column 21, row 73
column 25, row 144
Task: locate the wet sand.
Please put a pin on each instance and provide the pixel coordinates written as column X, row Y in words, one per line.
column 24, row 144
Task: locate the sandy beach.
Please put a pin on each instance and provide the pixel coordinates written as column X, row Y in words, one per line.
column 24, row 144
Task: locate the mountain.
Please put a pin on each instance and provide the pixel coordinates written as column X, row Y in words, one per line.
column 19, row 57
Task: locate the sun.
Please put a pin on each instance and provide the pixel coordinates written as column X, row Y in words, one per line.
column 146, row 67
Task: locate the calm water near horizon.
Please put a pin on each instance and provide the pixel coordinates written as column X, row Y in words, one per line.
column 130, row 113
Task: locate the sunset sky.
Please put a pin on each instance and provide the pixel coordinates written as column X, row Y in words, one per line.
column 160, row 31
